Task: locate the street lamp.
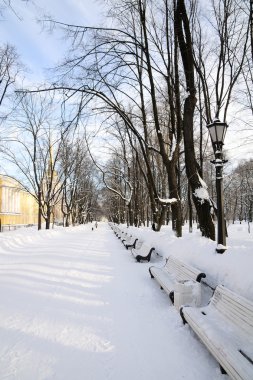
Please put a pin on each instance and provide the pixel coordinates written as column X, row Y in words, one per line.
column 217, row 131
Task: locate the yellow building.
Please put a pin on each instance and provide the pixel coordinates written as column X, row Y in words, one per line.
column 17, row 206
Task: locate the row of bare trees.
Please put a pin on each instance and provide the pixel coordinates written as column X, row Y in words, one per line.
column 153, row 80
column 41, row 144
column 50, row 159
column 239, row 193
column 128, row 200
column 149, row 83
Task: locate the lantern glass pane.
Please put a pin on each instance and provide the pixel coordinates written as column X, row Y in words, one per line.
column 212, row 132
column 219, row 131
column 224, row 132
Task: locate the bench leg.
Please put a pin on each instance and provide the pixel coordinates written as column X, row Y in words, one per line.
column 148, row 257
column 150, row 273
column 182, row 315
column 223, row 370
column 145, row 258
column 140, row 258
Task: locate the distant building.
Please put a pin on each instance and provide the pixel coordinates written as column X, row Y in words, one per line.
column 17, row 206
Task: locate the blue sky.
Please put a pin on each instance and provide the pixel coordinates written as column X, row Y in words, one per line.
column 39, row 49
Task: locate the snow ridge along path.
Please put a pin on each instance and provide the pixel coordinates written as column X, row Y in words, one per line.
column 75, row 305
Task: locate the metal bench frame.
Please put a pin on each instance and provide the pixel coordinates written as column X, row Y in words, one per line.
column 143, row 253
column 130, row 242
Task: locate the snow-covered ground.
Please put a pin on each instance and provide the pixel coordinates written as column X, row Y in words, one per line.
column 74, row 305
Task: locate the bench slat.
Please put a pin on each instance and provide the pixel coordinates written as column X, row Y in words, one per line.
column 165, row 281
column 130, row 242
column 176, row 267
column 225, row 327
column 234, row 363
column 173, row 271
column 143, row 253
column 238, row 310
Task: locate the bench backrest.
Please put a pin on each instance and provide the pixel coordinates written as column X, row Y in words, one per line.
column 116, row 230
column 138, row 244
column 144, row 249
column 236, row 308
column 182, row 271
column 121, row 233
column 124, row 235
column 130, row 240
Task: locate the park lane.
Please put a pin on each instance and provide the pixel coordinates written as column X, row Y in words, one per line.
column 76, row 305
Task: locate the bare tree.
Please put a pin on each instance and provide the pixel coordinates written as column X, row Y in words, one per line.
column 132, row 72
column 78, row 187
column 9, row 70
column 201, row 198
column 34, row 146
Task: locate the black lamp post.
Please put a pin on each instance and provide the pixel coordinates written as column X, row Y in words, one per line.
column 217, row 132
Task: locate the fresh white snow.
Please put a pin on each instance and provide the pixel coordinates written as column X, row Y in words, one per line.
column 75, row 305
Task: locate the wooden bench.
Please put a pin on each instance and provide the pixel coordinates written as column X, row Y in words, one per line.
column 124, row 236
column 225, row 326
column 130, row 242
column 116, row 230
column 120, row 233
column 174, row 270
column 143, row 253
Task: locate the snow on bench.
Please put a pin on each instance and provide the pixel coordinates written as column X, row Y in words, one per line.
column 174, row 270
column 130, row 242
column 122, row 234
column 225, row 326
column 116, row 230
column 124, row 237
column 143, row 253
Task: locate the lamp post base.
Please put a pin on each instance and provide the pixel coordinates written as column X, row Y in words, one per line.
column 221, row 248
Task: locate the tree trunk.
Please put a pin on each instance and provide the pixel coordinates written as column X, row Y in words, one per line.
column 190, row 208
column 161, row 219
column 130, row 214
column 48, row 218
column 176, row 209
column 202, row 203
column 39, row 211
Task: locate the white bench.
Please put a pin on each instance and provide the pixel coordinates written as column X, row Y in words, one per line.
column 225, row 326
column 130, row 242
column 116, row 230
column 143, row 253
column 174, row 270
column 120, row 233
column 124, row 236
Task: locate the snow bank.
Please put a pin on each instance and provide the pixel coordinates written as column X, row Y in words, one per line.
column 74, row 304
column 232, row 269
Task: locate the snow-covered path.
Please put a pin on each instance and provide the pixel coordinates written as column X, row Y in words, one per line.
column 74, row 305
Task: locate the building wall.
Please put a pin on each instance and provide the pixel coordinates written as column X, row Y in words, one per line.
column 17, row 206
